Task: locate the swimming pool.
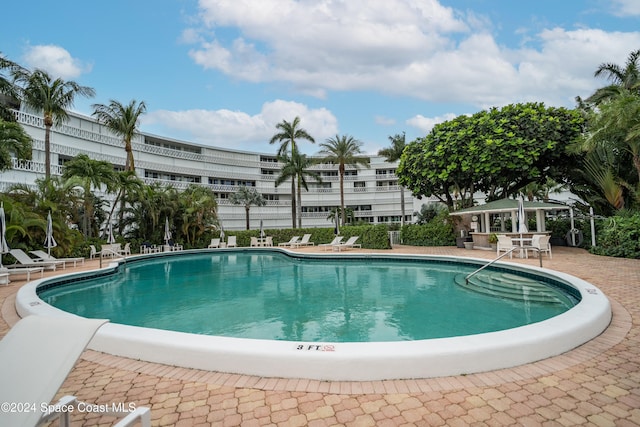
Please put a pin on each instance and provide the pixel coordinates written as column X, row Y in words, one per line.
column 272, row 295
column 308, row 357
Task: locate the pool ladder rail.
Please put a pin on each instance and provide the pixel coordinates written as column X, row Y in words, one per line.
column 466, row 279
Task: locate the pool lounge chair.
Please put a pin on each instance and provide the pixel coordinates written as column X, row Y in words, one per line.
column 349, row 244
column 304, row 242
column 215, row 243
column 335, row 241
column 43, row 256
column 291, row 241
column 24, row 260
column 37, row 355
column 5, row 273
column 231, row 242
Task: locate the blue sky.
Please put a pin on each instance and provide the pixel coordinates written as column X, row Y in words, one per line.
column 225, row 72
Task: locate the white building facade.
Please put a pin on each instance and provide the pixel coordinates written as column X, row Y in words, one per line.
column 372, row 193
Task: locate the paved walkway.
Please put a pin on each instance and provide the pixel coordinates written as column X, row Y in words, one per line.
column 597, row 384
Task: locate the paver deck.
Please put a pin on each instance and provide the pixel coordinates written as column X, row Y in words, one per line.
column 596, row 384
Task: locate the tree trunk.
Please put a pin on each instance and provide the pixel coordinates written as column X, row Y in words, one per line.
column 299, row 205
column 293, row 202
column 48, row 123
column 246, row 214
column 402, row 205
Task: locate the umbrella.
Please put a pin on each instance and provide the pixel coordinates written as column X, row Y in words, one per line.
column 221, row 233
column 49, row 241
column 167, row 232
column 110, row 238
column 521, row 218
column 4, row 248
column 261, row 230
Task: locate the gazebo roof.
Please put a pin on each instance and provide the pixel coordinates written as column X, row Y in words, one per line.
column 509, row 205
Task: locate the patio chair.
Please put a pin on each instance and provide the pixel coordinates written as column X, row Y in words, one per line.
column 94, row 252
column 126, row 250
column 268, row 241
column 231, row 242
column 215, row 243
column 505, row 244
column 43, row 256
column 291, row 241
column 37, row 355
column 304, row 242
column 541, row 244
column 349, row 244
column 24, row 260
column 335, row 241
column 254, row 242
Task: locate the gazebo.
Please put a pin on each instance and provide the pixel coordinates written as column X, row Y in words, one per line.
column 481, row 217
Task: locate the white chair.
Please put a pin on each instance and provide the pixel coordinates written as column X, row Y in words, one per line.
column 231, row 242
column 291, row 241
column 268, row 241
column 304, row 242
column 215, row 243
column 330, row 245
column 37, row 355
column 541, row 243
column 44, row 256
column 505, row 244
column 24, row 260
column 126, row 250
column 253, row 242
column 94, row 252
column 349, row 244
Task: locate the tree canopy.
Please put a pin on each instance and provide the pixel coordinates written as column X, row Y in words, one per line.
column 497, row 151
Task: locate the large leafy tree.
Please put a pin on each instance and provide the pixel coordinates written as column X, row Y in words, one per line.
column 288, row 135
column 298, row 167
column 247, row 197
column 91, row 174
column 393, row 154
column 343, row 150
column 498, row 151
column 122, row 120
column 13, row 141
column 53, row 97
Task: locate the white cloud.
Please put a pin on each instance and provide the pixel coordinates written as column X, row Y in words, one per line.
column 384, row 121
column 425, row 124
column 626, row 7
column 415, row 48
column 56, row 60
column 241, row 131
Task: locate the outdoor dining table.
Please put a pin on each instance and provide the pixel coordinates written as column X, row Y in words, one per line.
column 521, row 242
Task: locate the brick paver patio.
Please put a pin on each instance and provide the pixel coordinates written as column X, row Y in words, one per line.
column 597, row 384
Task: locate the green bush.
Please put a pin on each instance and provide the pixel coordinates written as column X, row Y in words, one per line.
column 620, row 236
column 438, row 231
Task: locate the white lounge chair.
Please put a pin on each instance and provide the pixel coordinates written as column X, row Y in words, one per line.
column 335, row 241
column 231, row 242
column 5, row 273
column 215, row 243
column 37, row 354
column 254, row 242
column 24, row 260
column 304, row 242
column 291, row 241
column 268, row 241
column 43, row 256
column 349, row 244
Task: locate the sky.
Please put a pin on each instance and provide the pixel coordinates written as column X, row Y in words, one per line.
column 224, row 73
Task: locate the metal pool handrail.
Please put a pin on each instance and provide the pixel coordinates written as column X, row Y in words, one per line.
column 466, row 279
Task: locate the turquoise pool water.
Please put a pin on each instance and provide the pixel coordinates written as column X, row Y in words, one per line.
column 271, row 295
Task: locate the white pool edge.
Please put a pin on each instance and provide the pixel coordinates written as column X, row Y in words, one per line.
column 353, row 361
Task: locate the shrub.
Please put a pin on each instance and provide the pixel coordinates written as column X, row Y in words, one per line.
column 439, row 231
column 620, row 237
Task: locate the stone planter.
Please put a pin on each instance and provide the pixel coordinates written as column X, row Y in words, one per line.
column 468, row 245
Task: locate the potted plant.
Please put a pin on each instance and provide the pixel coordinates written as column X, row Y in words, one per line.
column 493, row 241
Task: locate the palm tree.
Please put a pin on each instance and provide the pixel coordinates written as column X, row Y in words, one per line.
column 123, row 121
column 247, row 197
column 344, row 151
column 393, row 154
column 622, row 78
column 91, row 173
column 13, row 140
column 52, row 97
column 297, row 167
column 8, row 89
column 198, row 208
column 289, row 133
column 126, row 182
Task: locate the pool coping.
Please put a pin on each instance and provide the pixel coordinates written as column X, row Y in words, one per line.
column 353, row 361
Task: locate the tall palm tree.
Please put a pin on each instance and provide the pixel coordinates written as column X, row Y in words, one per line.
column 198, row 210
column 393, row 154
column 125, row 182
column 53, row 98
column 289, row 133
column 13, row 140
column 8, row 88
column 298, row 167
column 123, row 120
column 92, row 174
column 247, row 196
column 343, row 151
column 622, row 78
